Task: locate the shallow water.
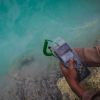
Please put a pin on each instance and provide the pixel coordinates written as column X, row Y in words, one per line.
column 24, row 24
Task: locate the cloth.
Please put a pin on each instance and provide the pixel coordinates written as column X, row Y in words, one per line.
column 89, row 56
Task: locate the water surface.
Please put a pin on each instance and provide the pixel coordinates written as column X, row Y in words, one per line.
column 24, row 24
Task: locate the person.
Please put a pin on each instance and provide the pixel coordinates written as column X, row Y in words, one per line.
column 90, row 58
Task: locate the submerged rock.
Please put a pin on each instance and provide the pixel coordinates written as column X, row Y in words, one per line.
column 27, row 61
column 91, row 82
column 66, row 91
column 26, row 87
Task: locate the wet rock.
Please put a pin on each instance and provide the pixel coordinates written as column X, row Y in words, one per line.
column 42, row 87
column 66, row 91
column 27, row 61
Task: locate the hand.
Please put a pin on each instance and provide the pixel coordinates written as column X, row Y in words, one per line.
column 71, row 76
column 70, row 72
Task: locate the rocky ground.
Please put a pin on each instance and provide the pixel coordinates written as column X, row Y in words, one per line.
column 91, row 82
column 32, row 83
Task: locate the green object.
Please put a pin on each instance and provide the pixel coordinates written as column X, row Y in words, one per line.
column 46, row 48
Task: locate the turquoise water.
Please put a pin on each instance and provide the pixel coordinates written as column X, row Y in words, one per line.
column 24, row 24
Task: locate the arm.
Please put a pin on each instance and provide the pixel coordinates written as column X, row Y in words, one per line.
column 89, row 56
column 71, row 76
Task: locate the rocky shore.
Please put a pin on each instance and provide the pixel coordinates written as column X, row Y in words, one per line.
column 30, row 82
